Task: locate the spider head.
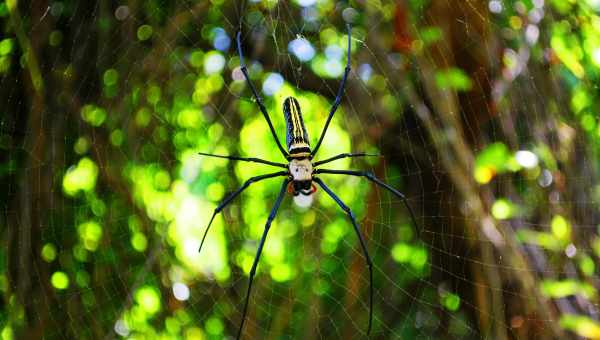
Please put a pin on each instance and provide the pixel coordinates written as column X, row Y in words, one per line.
column 305, row 188
column 303, row 192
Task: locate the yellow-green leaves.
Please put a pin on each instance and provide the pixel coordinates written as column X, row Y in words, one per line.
column 581, row 325
column 496, row 159
column 557, row 239
column 503, row 209
column 450, row 301
column 81, row 177
column 6, row 46
column 215, row 326
column 139, row 241
column 90, row 233
column 111, row 76
column 580, row 99
column 333, row 234
column 490, row 161
column 48, row 252
column 206, row 86
column 453, row 79
column 7, row 333
column 93, row 115
column 567, row 49
column 82, row 145
column 144, row 32
column 59, row 280
column 430, row 35
column 148, row 298
column 405, row 253
column 197, row 58
column 560, row 289
column 539, row 238
column 561, row 228
column 282, row 272
column 587, row 265
column 190, row 118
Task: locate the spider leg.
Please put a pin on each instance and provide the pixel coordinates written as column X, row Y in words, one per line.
column 233, row 195
column 259, row 251
column 377, row 181
column 259, row 101
column 245, row 159
column 362, row 244
column 344, row 155
column 340, row 93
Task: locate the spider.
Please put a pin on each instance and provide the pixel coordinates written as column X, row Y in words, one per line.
column 300, row 173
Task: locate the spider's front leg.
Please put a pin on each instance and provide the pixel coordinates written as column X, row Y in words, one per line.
column 340, row 93
column 344, row 155
column 259, row 101
column 244, row 159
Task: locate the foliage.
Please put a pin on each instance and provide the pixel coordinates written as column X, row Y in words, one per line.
column 494, row 139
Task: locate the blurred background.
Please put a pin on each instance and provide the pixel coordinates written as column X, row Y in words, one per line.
column 484, row 114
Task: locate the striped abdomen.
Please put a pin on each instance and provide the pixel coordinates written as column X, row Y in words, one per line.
column 297, row 137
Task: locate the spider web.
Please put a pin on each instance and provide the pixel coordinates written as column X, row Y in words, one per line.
column 132, row 254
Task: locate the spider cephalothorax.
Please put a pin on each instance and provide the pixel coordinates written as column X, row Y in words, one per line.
column 300, row 173
column 301, row 185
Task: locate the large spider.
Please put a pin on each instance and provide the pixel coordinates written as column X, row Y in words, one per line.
column 300, row 173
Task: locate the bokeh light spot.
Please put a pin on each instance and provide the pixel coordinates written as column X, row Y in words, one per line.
column 272, row 84
column 213, row 62
column 49, row 252
column 144, row 32
column 148, row 298
column 59, row 280
column 302, row 49
column 181, row 291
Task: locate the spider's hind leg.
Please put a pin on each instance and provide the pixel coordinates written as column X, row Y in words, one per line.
column 259, row 251
column 372, row 178
column 362, row 244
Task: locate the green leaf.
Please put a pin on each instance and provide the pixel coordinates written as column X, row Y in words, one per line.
column 563, row 288
column 454, row 79
column 561, row 228
column 542, row 239
column 503, row 209
column 493, row 159
column 431, row 34
column 581, row 325
column 148, row 298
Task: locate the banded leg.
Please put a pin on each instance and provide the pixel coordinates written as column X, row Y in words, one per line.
column 377, row 181
column 233, row 195
column 259, row 251
column 261, row 106
column 245, row 159
column 340, row 93
column 344, row 155
column 362, row 244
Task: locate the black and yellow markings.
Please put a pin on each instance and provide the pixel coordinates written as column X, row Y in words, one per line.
column 297, row 137
column 296, row 117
